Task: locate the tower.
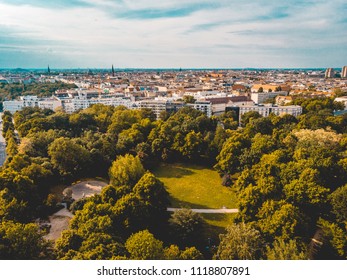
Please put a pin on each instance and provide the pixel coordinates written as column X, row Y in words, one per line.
column 344, row 72
column 329, row 73
column 112, row 71
column 48, row 70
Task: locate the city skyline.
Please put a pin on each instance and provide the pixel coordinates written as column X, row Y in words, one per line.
column 172, row 34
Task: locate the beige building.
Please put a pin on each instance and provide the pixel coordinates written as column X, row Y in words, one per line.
column 329, row 73
column 344, row 72
column 270, row 88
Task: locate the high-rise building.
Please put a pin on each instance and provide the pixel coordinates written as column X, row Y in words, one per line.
column 344, row 72
column 329, row 73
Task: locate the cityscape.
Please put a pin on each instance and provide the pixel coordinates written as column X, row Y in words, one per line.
column 212, row 92
column 170, row 130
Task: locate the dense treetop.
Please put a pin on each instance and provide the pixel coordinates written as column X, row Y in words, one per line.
column 290, row 176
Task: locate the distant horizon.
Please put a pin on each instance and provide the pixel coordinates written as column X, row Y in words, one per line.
column 170, row 68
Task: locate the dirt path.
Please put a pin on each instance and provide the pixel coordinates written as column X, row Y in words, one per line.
column 210, row 211
column 59, row 221
column 86, row 189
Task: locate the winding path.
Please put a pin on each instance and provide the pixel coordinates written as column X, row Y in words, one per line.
column 208, row 211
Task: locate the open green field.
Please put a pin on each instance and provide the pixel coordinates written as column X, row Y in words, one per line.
column 193, row 186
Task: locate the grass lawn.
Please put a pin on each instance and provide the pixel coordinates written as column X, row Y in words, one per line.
column 194, row 186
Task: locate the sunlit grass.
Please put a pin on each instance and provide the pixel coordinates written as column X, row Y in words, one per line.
column 195, row 186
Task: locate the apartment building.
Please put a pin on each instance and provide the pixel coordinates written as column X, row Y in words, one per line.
column 344, row 72
column 266, row 110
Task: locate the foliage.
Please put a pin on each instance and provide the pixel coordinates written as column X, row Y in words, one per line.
column 11, row 91
column 126, row 171
column 143, row 246
column 68, row 157
column 187, row 226
column 339, row 203
column 289, row 175
column 21, row 242
column 282, row 250
column 240, row 242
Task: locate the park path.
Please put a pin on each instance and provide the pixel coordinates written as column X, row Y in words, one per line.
column 208, row 211
column 59, row 221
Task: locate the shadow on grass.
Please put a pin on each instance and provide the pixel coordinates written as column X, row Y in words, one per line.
column 172, row 171
column 176, row 203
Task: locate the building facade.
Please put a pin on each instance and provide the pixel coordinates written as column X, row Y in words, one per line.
column 344, row 72
column 329, row 73
column 261, row 97
column 266, row 110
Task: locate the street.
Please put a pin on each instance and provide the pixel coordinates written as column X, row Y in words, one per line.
column 2, row 144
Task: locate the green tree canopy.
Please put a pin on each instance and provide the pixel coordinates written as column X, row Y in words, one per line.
column 68, row 157
column 240, row 242
column 143, row 246
column 126, row 171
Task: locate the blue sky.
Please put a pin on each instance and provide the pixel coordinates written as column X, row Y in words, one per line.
column 172, row 33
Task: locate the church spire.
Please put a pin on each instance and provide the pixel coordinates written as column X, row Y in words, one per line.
column 112, row 71
column 48, row 69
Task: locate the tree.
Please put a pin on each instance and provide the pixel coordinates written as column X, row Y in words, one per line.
column 128, row 139
column 189, row 99
column 193, row 145
column 306, row 193
column 280, row 219
column 152, row 193
column 11, row 147
column 191, row 254
column 338, row 200
column 143, row 246
column 126, row 171
column 174, row 253
column 81, row 121
column 229, row 120
column 228, row 159
column 247, row 117
column 333, row 241
column 241, row 242
column 282, row 250
column 21, row 242
column 69, row 158
column 187, row 226
column 69, row 240
column 11, row 208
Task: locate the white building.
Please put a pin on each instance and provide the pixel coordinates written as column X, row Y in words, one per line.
column 75, row 104
column 160, row 105
column 266, row 110
column 260, row 97
column 203, row 106
column 17, row 105
column 49, row 103
column 13, row 105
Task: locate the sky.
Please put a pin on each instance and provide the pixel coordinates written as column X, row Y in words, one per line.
column 173, row 33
